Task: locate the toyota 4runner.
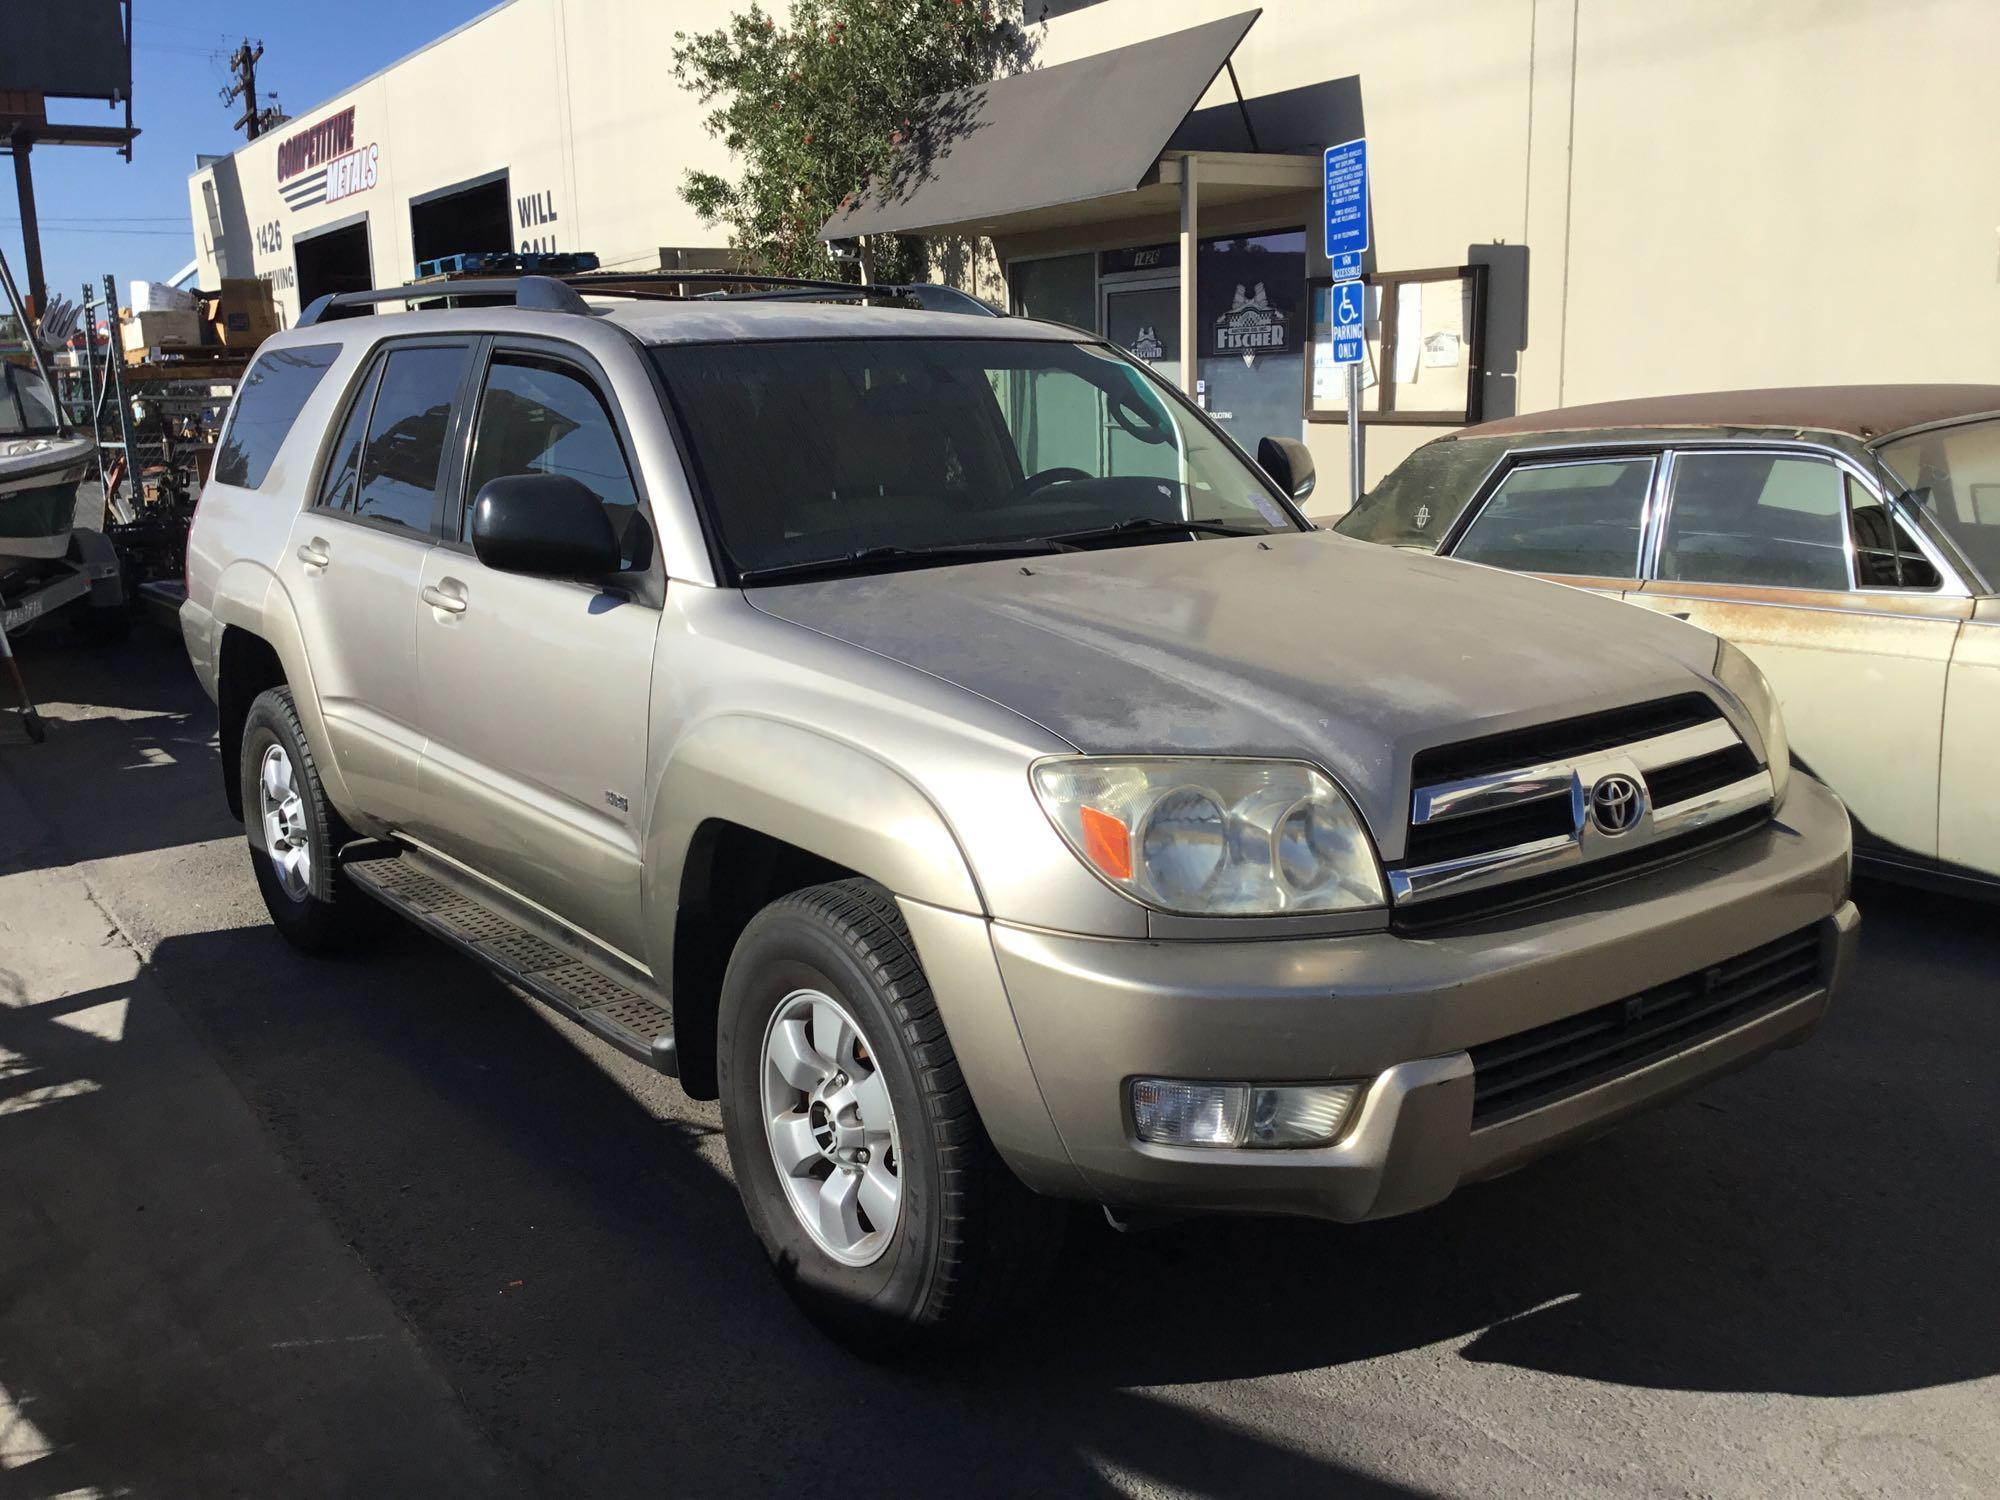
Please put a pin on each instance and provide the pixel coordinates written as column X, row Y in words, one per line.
column 929, row 736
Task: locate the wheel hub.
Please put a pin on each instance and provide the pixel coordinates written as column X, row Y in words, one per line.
column 831, row 1127
column 282, row 811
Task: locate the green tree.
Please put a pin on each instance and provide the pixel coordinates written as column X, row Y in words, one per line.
column 811, row 107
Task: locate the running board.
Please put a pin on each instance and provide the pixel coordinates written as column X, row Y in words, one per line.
column 621, row 1009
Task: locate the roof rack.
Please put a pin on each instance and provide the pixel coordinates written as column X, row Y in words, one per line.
column 566, row 293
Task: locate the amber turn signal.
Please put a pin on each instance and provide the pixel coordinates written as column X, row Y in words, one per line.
column 1108, row 843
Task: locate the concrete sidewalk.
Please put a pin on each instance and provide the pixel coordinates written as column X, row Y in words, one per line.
column 176, row 1317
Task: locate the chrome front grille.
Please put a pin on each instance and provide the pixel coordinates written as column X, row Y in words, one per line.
column 1489, row 827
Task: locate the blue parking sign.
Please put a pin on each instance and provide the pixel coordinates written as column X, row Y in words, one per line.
column 1346, row 198
column 1348, row 323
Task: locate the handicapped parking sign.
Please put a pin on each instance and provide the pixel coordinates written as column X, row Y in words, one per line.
column 1350, row 306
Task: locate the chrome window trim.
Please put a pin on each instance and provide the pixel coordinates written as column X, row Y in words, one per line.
column 1915, row 428
column 1509, row 464
column 1667, row 447
column 1754, row 450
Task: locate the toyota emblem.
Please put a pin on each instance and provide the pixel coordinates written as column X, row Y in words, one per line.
column 1616, row 802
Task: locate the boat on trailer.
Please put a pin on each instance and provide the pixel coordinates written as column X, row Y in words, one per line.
column 42, row 465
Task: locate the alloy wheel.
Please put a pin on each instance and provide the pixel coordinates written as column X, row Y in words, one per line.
column 287, row 841
column 831, row 1127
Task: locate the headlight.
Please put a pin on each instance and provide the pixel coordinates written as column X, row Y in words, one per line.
column 1214, row 837
column 1739, row 674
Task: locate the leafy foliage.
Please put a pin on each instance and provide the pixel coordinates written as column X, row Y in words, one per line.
column 813, row 106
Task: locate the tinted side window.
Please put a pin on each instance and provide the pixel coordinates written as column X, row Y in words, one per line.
column 269, row 402
column 1885, row 556
column 1574, row 518
column 1758, row 518
column 406, row 432
column 540, row 416
column 343, row 472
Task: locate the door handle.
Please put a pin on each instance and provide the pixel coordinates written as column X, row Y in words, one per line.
column 314, row 554
column 437, row 598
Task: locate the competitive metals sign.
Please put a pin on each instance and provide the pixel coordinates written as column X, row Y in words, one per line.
column 322, row 163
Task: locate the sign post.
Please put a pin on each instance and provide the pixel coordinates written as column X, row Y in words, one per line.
column 1346, row 181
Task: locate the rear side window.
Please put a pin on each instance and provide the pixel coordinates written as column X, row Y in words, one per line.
column 1582, row 519
column 1885, row 555
column 272, row 396
column 1777, row 520
column 404, row 447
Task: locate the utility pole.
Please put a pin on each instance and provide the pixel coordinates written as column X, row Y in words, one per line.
column 253, row 122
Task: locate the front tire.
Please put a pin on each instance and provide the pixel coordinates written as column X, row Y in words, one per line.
column 859, row 1156
column 294, row 834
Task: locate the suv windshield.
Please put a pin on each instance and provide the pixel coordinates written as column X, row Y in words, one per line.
column 1953, row 475
column 853, row 453
column 26, row 407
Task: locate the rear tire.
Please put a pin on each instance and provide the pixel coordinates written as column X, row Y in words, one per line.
column 831, row 1052
column 293, row 831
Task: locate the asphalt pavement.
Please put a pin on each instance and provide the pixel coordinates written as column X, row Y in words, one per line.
column 271, row 1226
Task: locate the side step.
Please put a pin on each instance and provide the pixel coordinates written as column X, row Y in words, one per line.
column 621, row 1008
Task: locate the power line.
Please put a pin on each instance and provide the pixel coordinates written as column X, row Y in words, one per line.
column 78, row 229
column 104, row 219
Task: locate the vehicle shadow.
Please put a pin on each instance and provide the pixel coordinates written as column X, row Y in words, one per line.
column 129, row 763
column 580, row 1265
column 1819, row 1225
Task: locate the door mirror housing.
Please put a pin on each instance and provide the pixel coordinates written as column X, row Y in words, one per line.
column 1289, row 463
column 547, row 525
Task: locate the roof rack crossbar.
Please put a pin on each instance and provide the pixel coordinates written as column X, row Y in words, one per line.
column 566, row 293
column 545, row 293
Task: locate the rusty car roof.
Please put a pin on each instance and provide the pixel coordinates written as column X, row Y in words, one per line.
column 1865, row 412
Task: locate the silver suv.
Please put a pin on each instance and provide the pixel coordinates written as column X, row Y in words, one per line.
column 931, row 737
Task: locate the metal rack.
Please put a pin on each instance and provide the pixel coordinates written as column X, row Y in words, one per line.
column 151, row 468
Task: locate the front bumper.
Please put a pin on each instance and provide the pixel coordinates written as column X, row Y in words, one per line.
column 1405, row 1013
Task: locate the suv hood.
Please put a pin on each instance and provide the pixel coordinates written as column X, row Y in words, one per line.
column 1307, row 646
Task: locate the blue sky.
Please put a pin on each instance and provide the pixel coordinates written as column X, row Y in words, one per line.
column 100, row 213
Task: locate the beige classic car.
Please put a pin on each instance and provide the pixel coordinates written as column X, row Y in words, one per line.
column 1847, row 538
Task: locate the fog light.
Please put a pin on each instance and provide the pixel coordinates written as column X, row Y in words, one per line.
column 1190, row 1114
column 1176, row 1112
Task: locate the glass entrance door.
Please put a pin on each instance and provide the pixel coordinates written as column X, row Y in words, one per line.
column 1144, row 318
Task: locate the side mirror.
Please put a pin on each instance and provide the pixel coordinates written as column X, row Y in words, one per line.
column 547, row 525
column 1289, row 462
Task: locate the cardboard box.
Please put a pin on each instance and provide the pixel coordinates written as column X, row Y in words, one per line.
column 241, row 315
column 146, row 331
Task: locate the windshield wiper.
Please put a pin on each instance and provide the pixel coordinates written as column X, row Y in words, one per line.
column 1027, row 546
column 1141, row 525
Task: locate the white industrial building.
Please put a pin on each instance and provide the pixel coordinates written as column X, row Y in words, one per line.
column 1573, row 200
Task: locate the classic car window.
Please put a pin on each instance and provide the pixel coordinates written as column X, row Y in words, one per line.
column 1419, row 501
column 1885, row 556
column 1953, row 473
column 1759, row 518
column 1572, row 518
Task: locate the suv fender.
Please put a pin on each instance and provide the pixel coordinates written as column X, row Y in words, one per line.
column 852, row 809
column 854, row 812
column 251, row 599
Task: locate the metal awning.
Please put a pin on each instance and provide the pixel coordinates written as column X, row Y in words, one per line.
column 1022, row 150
